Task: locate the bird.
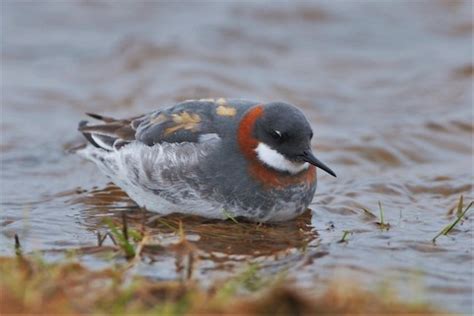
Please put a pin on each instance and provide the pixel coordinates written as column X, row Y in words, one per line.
column 215, row 158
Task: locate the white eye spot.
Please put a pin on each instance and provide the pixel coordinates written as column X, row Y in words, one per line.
column 275, row 160
column 277, row 132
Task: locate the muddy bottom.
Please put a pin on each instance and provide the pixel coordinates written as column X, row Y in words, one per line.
column 386, row 87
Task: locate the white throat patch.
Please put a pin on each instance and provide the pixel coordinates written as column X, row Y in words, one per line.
column 274, row 159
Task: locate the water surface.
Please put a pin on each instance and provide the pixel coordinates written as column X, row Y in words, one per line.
column 386, row 86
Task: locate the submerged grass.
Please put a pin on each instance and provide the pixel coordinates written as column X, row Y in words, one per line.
column 460, row 214
column 127, row 239
column 345, row 236
column 368, row 213
column 381, row 223
column 29, row 285
column 228, row 215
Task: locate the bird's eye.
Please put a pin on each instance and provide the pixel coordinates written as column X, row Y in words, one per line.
column 311, row 135
column 276, row 134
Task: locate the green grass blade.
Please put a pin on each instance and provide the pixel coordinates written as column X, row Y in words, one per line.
column 445, row 231
column 229, row 216
column 344, row 237
column 381, row 215
column 460, row 204
column 369, row 213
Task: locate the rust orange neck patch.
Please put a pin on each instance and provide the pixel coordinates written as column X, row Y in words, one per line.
column 268, row 177
column 245, row 138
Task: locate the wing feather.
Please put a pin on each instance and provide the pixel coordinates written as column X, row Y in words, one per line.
column 185, row 122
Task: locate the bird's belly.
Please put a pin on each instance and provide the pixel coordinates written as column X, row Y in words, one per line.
column 274, row 205
column 167, row 202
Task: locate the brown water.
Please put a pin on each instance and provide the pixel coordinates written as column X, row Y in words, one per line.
column 387, row 87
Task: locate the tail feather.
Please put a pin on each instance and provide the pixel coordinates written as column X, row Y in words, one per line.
column 111, row 129
column 106, row 135
column 87, row 135
column 101, row 117
column 104, row 142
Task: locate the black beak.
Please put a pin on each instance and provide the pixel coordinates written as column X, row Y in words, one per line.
column 309, row 157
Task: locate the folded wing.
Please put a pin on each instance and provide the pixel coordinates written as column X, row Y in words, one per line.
column 191, row 121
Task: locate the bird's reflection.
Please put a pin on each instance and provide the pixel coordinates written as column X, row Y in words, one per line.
column 212, row 238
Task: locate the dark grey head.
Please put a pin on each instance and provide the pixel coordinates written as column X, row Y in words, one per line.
column 284, row 135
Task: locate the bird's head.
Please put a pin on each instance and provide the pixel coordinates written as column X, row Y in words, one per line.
column 281, row 138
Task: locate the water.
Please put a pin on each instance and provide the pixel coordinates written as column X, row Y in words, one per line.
column 387, row 87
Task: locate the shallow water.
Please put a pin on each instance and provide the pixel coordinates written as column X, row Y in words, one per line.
column 387, row 88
